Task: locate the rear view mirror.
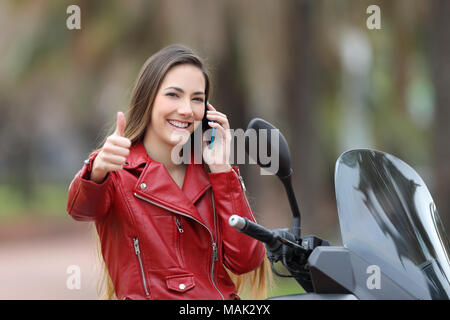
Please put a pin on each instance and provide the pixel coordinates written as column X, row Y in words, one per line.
column 269, row 149
column 267, row 146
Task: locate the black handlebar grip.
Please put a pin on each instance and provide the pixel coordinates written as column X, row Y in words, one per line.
column 254, row 230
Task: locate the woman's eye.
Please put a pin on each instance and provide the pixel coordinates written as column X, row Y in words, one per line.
column 199, row 99
column 171, row 94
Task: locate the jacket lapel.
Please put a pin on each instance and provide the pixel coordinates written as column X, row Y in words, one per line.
column 196, row 181
column 157, row 186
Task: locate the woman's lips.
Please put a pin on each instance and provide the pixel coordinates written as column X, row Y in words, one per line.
column 180, row 125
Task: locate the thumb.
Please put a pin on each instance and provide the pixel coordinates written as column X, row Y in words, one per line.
column 121, row 123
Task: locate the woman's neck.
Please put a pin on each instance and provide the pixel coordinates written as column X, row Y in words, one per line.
column 160, row 152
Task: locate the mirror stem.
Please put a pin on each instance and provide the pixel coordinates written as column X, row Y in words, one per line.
column 296, row 225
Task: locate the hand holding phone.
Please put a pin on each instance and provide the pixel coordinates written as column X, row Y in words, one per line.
column 217, row 153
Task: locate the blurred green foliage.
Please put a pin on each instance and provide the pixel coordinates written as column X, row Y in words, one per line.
column 47, row 201
column 284, row 61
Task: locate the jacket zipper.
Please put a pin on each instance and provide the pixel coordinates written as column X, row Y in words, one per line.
column 214, row 245
column 179, row 227
column 215, row 255
column 241, row 180
column 180, row 231
column 137, row 251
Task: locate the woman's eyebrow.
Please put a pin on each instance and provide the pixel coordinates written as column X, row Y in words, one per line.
column 182, row 91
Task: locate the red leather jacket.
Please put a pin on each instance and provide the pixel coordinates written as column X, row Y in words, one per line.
column 163, row 242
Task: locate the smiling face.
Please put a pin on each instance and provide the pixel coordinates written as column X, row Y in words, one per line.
column 178, row 107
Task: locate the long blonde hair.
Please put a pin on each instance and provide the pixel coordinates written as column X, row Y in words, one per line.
column 138, row 116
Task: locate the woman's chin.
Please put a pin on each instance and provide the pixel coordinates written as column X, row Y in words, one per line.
column 179, row 137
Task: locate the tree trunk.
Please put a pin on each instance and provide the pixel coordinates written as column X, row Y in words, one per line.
column 441, row 75
column 300, row 87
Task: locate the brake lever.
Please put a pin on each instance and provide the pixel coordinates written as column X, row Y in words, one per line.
column 289, row 243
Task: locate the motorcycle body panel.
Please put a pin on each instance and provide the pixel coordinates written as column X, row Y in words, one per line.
column 315, row 296
column 338, row 270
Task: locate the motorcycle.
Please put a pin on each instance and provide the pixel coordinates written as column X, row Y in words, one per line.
column 394, row 243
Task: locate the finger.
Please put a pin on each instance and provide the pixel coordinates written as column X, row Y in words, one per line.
column 104, row 165
column 116, row 150
column 120, row 124
column 220, row 119
column 220, row 131
column 210, row 112
column 112, row 167
column 211, row 108
column 215, row 112
column 119, row 141
column 113, row 159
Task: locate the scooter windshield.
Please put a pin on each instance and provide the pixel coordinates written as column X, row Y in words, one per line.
column 388, row 218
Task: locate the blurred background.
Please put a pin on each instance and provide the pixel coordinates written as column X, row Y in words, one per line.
column 313, row 68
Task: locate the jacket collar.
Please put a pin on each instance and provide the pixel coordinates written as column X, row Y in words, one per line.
column 159, row 185
column 138, row 156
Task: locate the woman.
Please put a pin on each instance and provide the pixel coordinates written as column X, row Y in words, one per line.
column 163, row 226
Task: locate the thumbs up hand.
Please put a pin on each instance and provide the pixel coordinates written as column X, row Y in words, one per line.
column 113, row 154
column 120, row 126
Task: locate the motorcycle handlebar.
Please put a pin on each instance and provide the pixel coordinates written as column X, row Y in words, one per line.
column 254, row 230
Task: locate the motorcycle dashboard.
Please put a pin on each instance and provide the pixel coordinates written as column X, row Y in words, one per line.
column 388, row 218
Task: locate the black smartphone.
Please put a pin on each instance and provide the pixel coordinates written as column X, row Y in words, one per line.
column 205, row 125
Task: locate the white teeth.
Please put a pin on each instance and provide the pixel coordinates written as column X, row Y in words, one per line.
column 178, row 124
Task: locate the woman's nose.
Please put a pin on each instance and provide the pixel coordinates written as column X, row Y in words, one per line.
column 185, row 109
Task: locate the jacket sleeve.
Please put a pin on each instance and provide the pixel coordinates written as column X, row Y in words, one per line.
column 87, row 200
column 242, row 253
